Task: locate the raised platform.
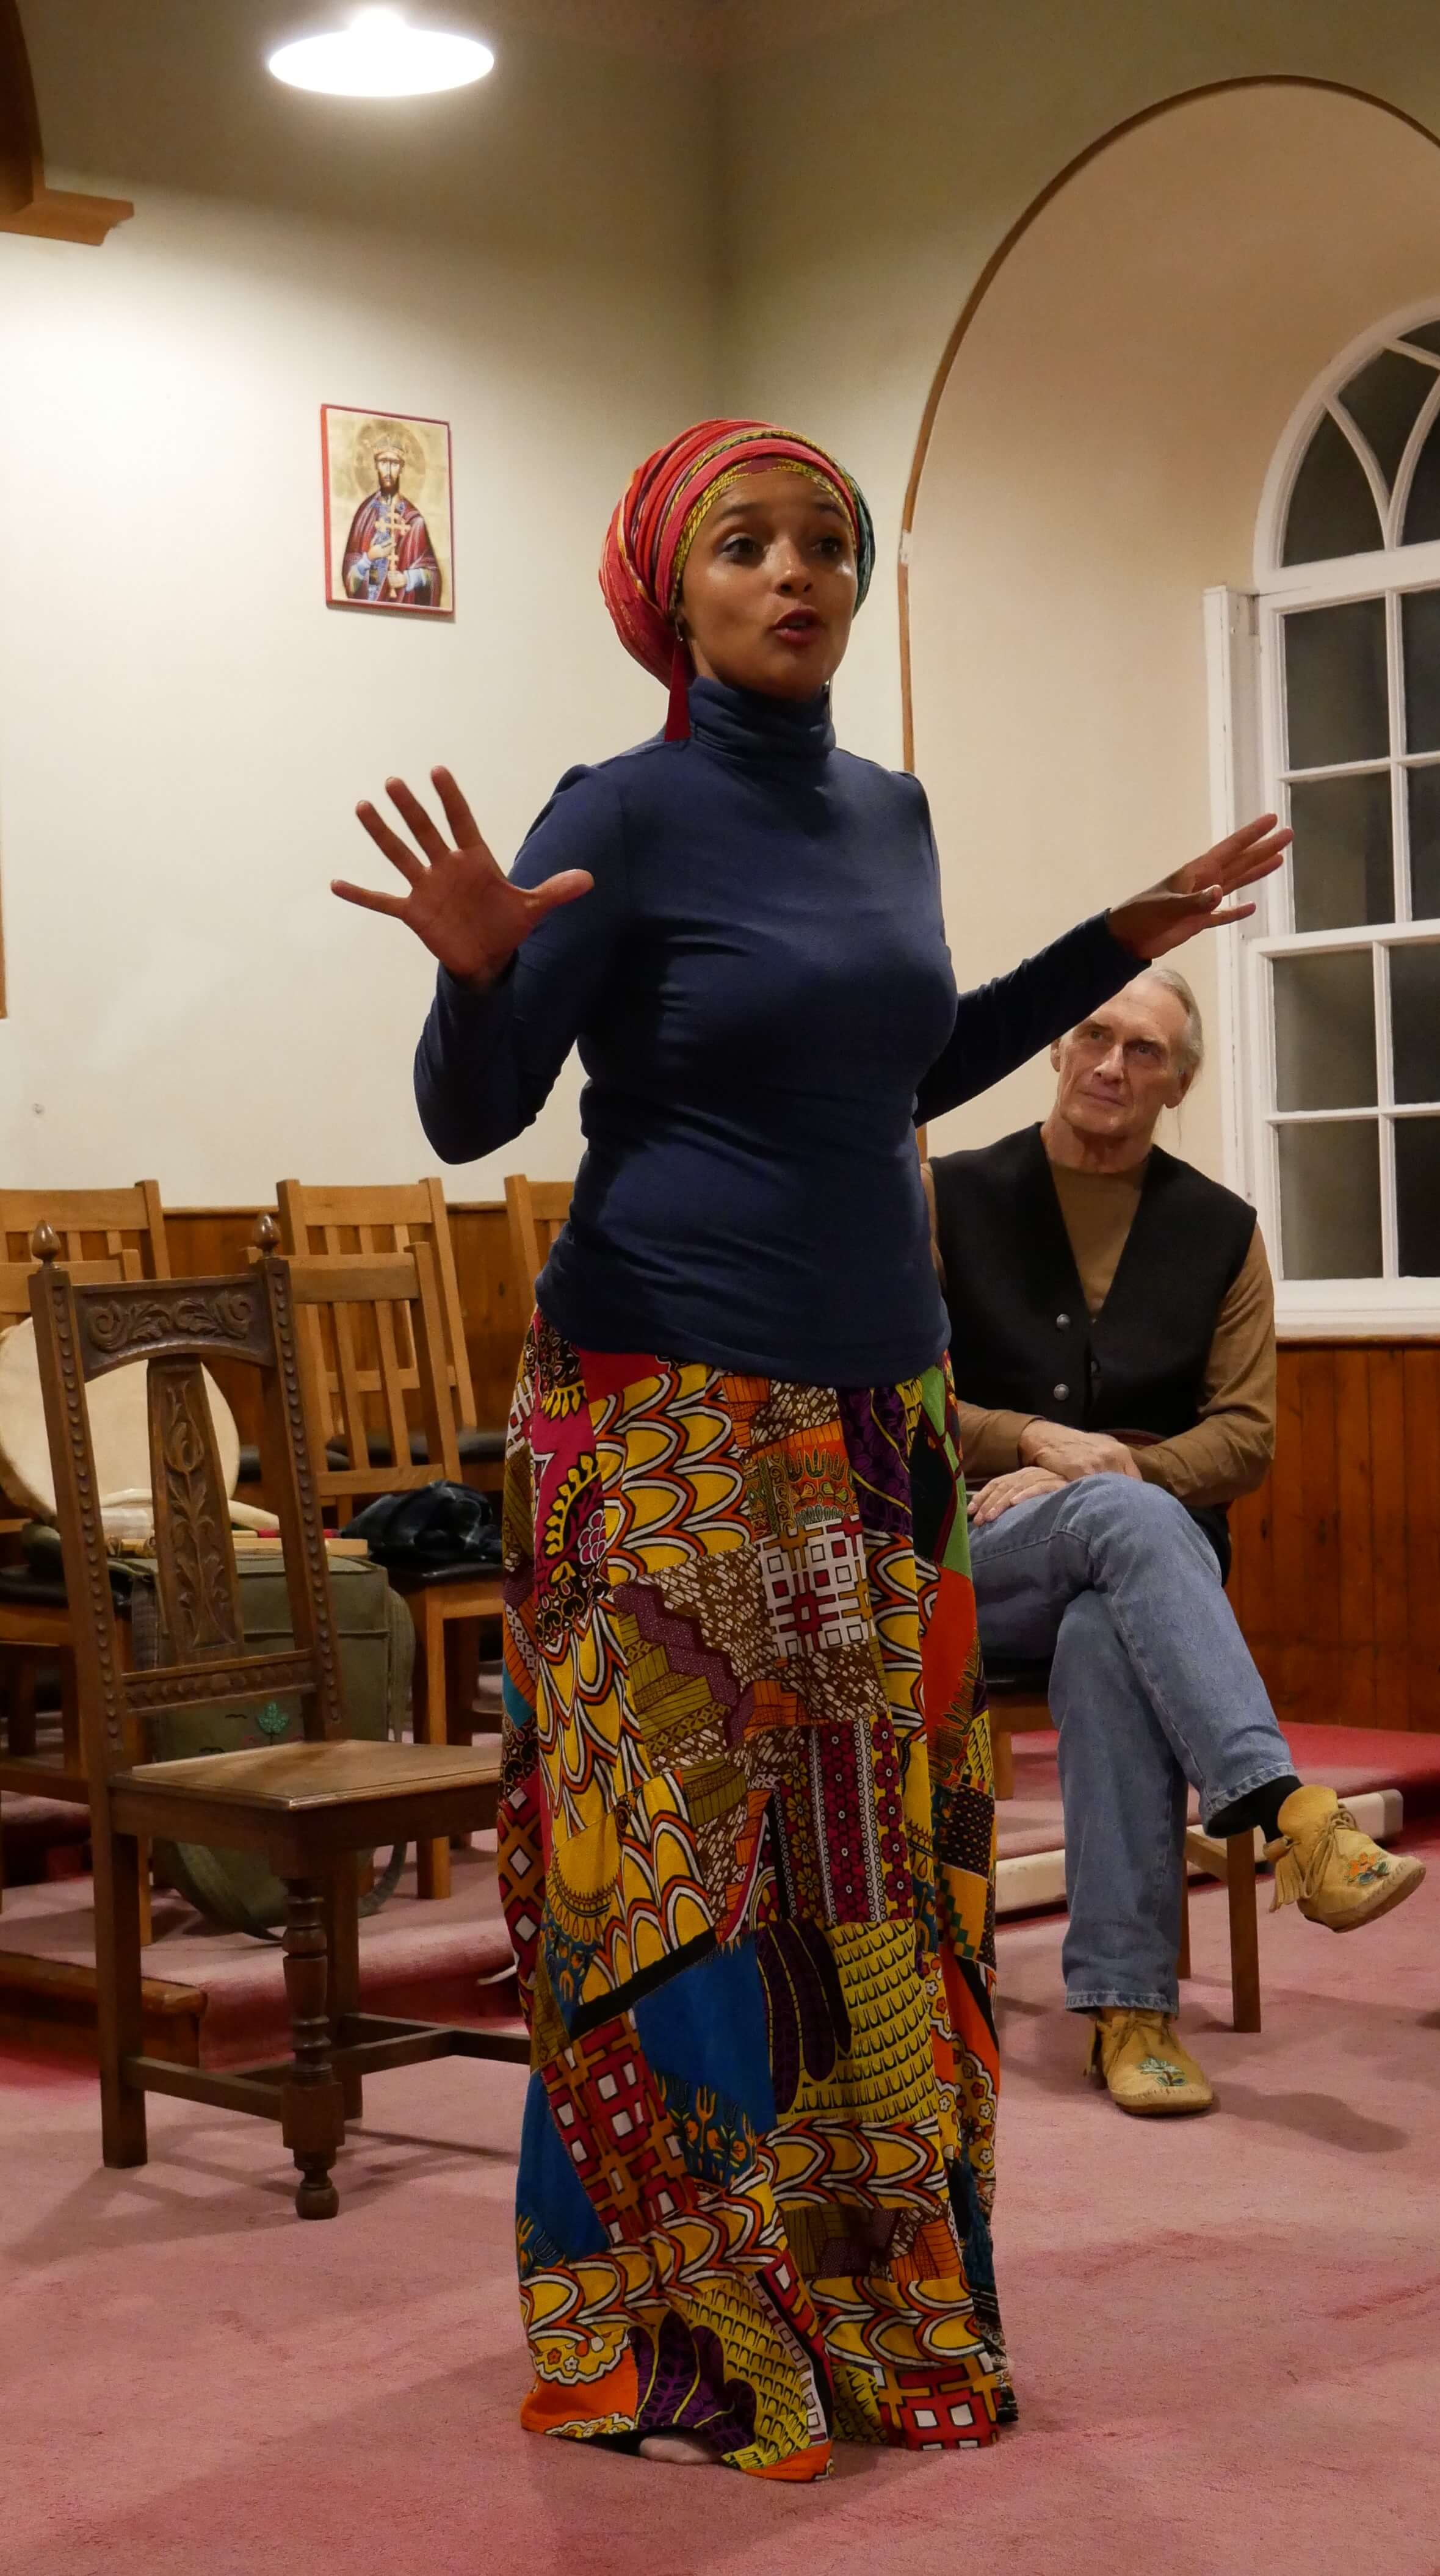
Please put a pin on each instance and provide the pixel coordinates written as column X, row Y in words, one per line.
column 214, row 1998
column 1392, row 1780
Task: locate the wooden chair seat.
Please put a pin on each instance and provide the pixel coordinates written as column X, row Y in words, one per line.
column 344, row 1794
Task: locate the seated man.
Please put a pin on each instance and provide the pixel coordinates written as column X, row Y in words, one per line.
column 1114, row 1352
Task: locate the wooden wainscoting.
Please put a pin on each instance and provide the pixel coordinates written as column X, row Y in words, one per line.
column 1337, row 1557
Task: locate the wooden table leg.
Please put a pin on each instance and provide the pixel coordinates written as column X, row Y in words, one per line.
column 432, row 1859
column 1244, row 1930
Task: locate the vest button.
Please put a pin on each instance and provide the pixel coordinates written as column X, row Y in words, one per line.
column 1061, row 1391
column 1063, row 1321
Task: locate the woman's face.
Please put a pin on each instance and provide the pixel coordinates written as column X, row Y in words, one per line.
column 769, row 587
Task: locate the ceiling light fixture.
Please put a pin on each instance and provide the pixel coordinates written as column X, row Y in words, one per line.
column 379, row 55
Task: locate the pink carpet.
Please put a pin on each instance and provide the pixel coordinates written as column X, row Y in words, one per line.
column 1226, row 2333
column 445, row 1960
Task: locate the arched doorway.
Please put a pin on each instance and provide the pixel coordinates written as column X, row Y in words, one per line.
column 1092, row 462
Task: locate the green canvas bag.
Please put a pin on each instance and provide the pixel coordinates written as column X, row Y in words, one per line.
column 377, row 1659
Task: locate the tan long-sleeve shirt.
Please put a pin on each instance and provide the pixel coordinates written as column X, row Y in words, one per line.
column 1230, row 1449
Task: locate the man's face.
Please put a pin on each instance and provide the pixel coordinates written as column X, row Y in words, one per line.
column 1121, row 1067
column 387, row 468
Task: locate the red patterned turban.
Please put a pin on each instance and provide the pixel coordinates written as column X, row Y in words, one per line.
column 643, row 563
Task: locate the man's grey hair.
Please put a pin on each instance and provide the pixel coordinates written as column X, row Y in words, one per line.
column 1190, row 1046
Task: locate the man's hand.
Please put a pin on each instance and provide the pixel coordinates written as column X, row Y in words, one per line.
column 1004, row 1492
column 1071, row 1454
column 1195, row 897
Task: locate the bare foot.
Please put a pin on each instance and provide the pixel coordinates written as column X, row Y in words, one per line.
column 678, row 2450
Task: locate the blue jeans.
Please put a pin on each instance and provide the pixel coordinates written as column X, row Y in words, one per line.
column 1151, row 1686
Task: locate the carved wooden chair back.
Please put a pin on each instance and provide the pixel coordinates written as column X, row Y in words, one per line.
column 82, row 1331
column 537, row 1210
column 395, row 1296
column 90, row 1224
column 363, row 1219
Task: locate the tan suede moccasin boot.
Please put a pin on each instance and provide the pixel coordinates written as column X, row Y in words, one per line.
column 1147, row 2071
column 1336, row 1874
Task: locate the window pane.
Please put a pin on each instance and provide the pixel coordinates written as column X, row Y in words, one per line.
column 1341, row 862
column 1420, row 634
column 1384, row 400
column 1335, row 693
column 1423, row 788
column 1426, row 335
column 1332, row 509
column 1417, row 1196
column 1415, row 1021
column 1422, row 510
column 1330, row 1201
column 1325, row 1031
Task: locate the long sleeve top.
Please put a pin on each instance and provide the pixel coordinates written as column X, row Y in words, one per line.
column 764, row 1006
column 1229, row 1450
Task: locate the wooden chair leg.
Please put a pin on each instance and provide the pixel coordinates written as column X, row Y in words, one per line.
column 20, row 1730
column 1002, row 1759
column 1182, row 1962
column 1240, row 1888
column 432, row 1859
column 116, row 1867
column 313, row 2114
column 342, row 1937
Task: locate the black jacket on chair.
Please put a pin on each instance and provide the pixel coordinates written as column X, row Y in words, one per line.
column 1021, row 1337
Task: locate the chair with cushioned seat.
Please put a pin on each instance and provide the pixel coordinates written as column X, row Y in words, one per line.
column 1020, row 1705
column 310, row 1807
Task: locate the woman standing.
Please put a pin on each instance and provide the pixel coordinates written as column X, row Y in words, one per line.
column 746, row 1843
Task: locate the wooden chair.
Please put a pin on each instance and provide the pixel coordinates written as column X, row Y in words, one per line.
column 309, row 1807
column 396, row 1296
column 1019, row 1705
column 386, row 1218
column 34, row 1617
column 537, row 1210
column 90, row 1224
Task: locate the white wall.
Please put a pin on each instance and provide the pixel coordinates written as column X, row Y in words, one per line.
column 184, row 725
column 1097, row 459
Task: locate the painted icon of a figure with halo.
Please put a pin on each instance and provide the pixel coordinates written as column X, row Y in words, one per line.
column 388, row 553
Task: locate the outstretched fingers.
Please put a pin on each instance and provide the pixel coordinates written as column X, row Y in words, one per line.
column 468, row 835
column 408, row 806
column 367, row 898
column 564, row 888
column 389, row 843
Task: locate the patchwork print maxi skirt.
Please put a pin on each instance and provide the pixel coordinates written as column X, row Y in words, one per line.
column 747, row 1862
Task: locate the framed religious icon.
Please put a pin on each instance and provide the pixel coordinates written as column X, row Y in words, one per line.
column 389, row 539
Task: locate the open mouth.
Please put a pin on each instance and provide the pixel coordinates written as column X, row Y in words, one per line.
column 800, row 623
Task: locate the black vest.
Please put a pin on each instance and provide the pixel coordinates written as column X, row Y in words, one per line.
column 1020, row 1333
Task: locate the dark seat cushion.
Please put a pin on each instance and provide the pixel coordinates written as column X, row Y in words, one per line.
column 476, row 1447
column 1017, row 1673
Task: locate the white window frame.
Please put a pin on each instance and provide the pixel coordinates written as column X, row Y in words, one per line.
column 1244, row 644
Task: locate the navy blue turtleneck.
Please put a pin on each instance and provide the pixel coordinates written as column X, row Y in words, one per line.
column 764, row 1005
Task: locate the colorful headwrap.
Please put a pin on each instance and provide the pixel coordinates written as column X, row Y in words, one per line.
column 643, row 563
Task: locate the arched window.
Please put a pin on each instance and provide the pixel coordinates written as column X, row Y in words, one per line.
column 1341, row 1030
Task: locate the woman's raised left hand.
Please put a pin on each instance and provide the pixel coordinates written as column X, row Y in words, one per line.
column 1197, row 897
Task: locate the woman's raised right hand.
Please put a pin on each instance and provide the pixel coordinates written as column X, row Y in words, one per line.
column 460, row 903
